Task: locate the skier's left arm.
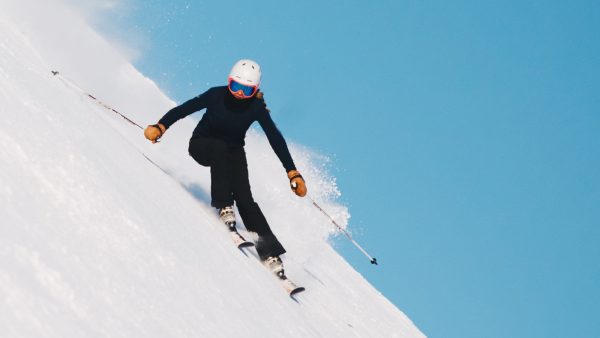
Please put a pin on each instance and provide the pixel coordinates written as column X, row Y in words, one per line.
column 280, row 147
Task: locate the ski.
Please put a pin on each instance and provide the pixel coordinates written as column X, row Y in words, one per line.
column 290, row 287
column 275, row 265
column 227, row 216
column 238, row 239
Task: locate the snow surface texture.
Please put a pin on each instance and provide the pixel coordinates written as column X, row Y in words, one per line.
column 96, row 240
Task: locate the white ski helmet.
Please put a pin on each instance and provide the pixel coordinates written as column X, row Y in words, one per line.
column 246, row 72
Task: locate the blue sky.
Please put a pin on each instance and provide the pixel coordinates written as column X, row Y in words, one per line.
column 463, row 134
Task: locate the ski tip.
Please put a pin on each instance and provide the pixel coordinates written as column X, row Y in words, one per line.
column 245, row 245
column 296, row 291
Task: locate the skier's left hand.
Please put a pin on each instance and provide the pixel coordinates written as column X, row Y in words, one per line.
column 297, row 183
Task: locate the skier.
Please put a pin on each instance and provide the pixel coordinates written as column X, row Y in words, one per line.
column 218, row 143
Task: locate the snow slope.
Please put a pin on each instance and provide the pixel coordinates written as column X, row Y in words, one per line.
column 96, row 240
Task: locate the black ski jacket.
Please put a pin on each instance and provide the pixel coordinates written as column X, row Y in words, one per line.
column 228, row 119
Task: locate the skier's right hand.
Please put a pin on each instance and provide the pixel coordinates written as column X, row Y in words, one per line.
column 154, row 132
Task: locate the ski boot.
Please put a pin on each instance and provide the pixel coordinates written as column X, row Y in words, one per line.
column 227, row 216
column 275, row 264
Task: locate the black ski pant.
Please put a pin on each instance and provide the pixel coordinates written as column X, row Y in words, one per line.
column 229, row 183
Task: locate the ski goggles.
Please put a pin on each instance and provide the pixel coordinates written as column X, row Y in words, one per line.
column 247, row 91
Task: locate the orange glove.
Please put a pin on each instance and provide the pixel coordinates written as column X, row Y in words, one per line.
column 155, row 132
column 297, row 183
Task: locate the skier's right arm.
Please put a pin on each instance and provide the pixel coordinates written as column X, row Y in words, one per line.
column 154, row 132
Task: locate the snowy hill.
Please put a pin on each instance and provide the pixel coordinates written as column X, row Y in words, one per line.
column 96, row 240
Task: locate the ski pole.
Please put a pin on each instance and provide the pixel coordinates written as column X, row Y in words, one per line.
column 373, row 260
column 72, row 84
